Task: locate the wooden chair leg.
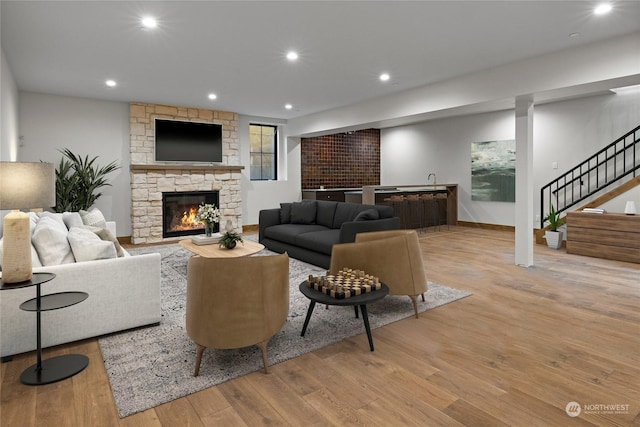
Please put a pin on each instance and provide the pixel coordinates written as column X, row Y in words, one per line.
column 414, row 300
column 263, row 350
column 199, row 351
column 423, row 300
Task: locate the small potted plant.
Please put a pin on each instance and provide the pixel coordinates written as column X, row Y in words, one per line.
column 229, row 240
column 553, row 235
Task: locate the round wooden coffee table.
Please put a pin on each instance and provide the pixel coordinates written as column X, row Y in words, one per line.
column 356, row 301
column 244, row 248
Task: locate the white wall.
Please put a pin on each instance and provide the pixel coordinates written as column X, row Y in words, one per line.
column 8, row 113
column 49, row 123
column 258, row 195
column 564, row 132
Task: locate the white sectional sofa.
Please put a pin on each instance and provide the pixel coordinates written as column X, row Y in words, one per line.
column 124, row 293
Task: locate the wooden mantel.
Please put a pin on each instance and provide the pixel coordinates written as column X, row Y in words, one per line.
column 225, row 168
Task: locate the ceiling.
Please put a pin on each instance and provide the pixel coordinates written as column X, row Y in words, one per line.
column 236, row 49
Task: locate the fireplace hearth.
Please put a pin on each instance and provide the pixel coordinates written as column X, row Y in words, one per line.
column 179, row 212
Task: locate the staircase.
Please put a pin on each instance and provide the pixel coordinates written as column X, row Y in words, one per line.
column 617, row 163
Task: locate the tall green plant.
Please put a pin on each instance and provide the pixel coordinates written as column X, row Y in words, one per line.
column 77, row 181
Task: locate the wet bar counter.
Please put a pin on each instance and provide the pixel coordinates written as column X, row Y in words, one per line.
column 446, row 194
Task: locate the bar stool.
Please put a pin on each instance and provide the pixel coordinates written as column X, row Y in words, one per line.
column 430, row 209
column 414, row 211
column 442, row 200
column 399, row 208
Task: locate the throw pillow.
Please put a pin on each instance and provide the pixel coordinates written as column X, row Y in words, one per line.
column 303, row 212
column 105, row 234
column 285, row 213
column 72, row 219
column 93, row 217
column 367, row 215
column 50, row 241
column 87, row 246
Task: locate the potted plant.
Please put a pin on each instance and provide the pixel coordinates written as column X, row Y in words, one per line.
column 77, row 180
column 553, row 235
column 229, row 240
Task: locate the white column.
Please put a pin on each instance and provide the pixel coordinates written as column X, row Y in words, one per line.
column 524, row 182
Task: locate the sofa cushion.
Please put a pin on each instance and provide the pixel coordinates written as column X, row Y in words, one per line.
column 50, row 241
column 105, row 234
column 367, row 215
column 285, row 213
column 87, row 246
column 303, row 212
column 319, row 241
column 72, row 219
column 347, row 212
column 57, row 217
column 287, row 232
column 93, row 217
column 325, row 210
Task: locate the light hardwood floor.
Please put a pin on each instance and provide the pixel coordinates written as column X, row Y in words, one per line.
column 524, row 345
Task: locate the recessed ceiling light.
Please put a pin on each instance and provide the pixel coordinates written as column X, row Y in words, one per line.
column 603, row 8
column 110, row 83
column 384, row 77
column 292, row 56
column 149, row 22
column 288, row 106
column 213, row 96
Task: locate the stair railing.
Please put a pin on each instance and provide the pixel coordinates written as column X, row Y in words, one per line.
column 614, row 162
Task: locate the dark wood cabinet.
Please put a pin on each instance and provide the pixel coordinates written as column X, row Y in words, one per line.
column 613, row 236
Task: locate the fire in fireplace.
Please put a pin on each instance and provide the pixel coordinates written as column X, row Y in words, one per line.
column 179, row 212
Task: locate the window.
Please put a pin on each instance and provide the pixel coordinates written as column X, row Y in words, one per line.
column 263, row 141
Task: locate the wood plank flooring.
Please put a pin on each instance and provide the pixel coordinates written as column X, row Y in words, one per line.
column 528, row 342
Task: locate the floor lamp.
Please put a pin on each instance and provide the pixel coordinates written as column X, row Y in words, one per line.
column 22, row 186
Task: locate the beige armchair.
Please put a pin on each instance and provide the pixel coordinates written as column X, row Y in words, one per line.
column 236, row 302
column 393, row 256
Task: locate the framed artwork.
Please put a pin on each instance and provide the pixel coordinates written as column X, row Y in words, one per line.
column 493, row 171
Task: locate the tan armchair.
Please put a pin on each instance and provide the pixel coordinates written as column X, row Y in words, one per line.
column 236, row 302
column 393, row 256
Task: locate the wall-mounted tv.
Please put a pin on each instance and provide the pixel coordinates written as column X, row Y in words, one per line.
column 178, row 141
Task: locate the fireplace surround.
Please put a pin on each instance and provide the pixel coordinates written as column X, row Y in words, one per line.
column 179, row 209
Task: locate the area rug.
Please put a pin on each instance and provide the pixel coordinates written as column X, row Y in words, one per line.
column 154, row 365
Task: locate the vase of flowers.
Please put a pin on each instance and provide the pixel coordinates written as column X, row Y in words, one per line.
column 209, row 215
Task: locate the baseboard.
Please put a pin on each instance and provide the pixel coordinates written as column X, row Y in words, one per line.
column 250, row 228
column 487, row 226
column 124, row 240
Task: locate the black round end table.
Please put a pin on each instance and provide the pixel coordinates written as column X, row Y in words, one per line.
column 56, row 368
column 355, row 301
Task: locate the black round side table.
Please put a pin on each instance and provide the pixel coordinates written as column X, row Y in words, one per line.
column 56, row 368
column 355, row 301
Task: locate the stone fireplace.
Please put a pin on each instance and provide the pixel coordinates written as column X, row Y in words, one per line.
column 150, row 180
column 179, row 212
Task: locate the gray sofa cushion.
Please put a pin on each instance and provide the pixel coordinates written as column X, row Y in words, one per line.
column 319, row 241
column 285, row 213
column 325, row 212
column 303, row 212
column 367, row 215
column 288, row 232
column 347, row 212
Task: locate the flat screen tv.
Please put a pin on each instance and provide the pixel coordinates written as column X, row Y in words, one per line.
column 178, row 141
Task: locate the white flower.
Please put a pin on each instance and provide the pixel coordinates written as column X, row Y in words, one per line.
column 208, row 213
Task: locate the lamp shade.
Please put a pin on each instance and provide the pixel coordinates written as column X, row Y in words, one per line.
column 27, row 185
column 630, row 208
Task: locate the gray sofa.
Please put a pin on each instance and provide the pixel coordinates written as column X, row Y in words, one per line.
column 308, row 230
